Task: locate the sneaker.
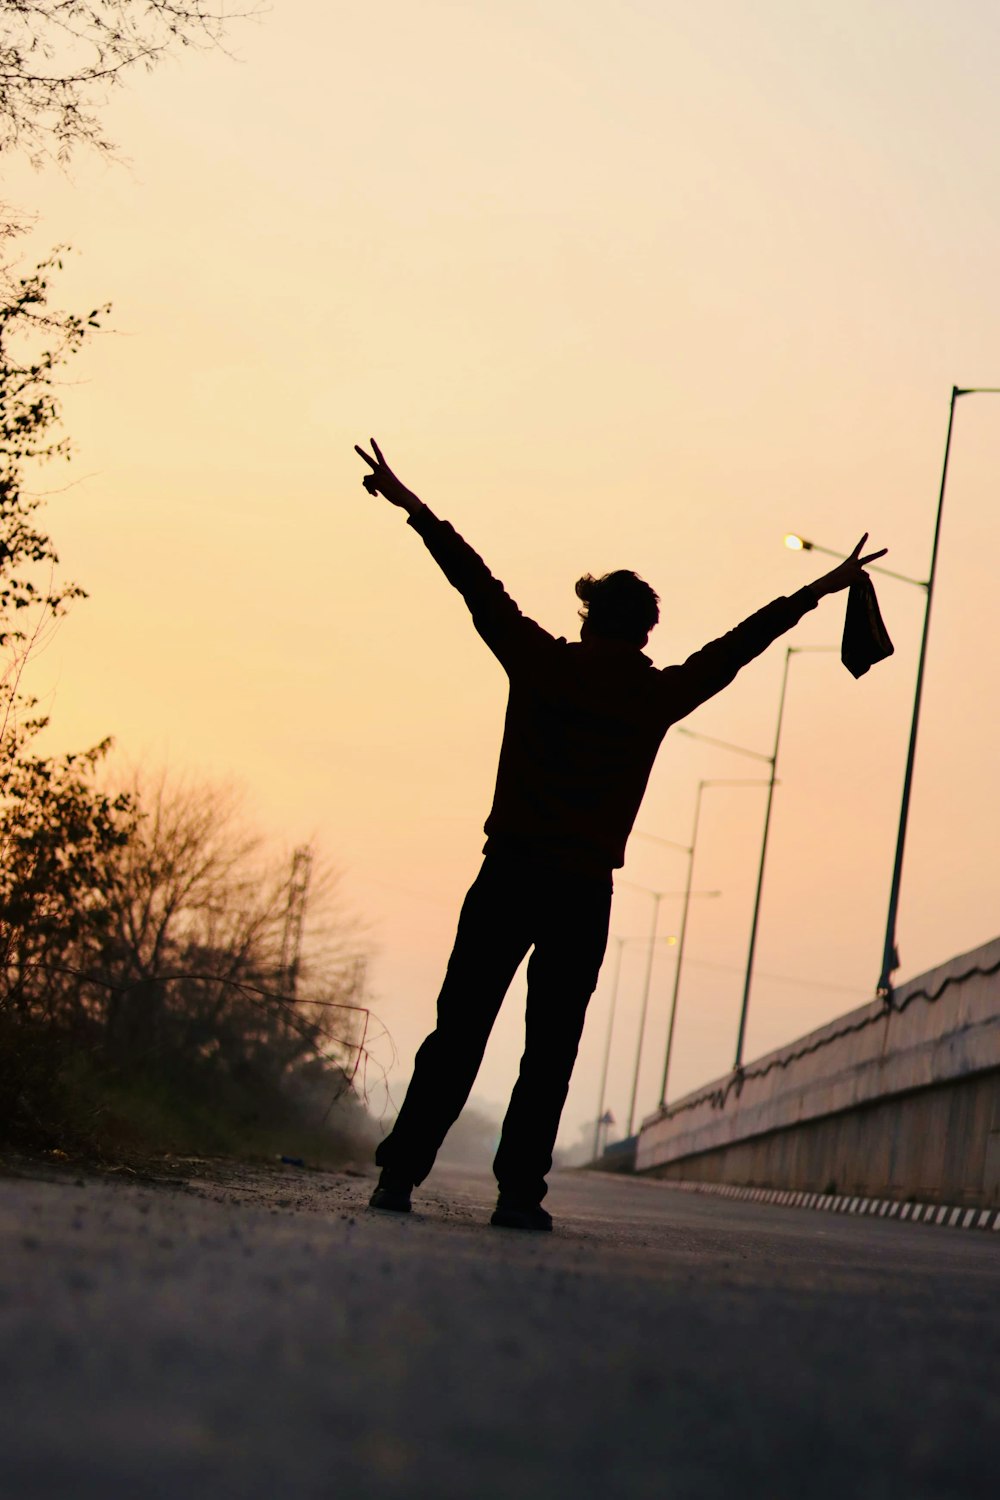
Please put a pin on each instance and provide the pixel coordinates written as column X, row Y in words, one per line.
column 520, row 1216
column 392, row 1194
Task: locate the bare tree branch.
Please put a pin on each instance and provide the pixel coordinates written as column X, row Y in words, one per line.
column 60, row 58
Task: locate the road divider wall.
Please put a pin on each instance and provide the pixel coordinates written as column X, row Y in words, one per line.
column 899, row 1101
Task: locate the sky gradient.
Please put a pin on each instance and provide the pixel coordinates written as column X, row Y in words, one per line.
column 636, row 285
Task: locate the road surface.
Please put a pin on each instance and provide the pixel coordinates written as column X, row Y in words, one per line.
column 259, row 1332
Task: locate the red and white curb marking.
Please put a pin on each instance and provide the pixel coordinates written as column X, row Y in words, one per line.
column 946, row 1214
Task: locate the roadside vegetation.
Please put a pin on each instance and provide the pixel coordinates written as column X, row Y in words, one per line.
column 166, row 983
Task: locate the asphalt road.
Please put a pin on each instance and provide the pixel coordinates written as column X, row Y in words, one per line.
column 262, row 1333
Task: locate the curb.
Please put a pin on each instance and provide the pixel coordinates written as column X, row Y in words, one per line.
column 945, row 1214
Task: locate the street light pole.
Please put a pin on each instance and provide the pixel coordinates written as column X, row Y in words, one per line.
column 657, row 896
column 607, row 1043
column 772, row 761
column 890, row 956
column 684, row 918
column 680, row 940
column 790, row 651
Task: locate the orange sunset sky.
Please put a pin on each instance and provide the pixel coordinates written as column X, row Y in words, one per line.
column 638, row 284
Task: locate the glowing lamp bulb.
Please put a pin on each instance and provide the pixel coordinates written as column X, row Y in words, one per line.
column 793, row 542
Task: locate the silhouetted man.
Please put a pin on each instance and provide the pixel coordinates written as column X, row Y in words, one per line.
column 584, row 722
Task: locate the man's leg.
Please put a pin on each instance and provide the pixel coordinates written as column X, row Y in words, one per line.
column 494, row 933
column 571, row 937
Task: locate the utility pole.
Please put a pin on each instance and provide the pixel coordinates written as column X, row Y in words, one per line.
column 295, row 912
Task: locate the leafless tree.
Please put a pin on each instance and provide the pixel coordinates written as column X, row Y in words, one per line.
column 198, row 910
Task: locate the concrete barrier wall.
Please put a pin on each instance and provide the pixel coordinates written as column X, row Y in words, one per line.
column 893, row 1102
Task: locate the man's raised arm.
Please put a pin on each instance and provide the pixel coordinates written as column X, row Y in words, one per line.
column 507, row 632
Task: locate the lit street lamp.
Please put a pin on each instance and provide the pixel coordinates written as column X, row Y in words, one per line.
column 796, row 543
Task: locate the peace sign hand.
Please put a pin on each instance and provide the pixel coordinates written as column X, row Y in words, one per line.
column 382, row 481
column 851, row 570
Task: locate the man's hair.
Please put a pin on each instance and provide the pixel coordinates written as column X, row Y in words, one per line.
column 618, row 606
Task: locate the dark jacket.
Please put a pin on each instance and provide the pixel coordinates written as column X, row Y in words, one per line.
column 584, row 718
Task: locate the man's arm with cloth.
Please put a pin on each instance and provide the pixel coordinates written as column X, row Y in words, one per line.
column 712, row 668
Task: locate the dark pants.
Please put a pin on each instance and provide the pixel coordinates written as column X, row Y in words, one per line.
column 513, row 904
